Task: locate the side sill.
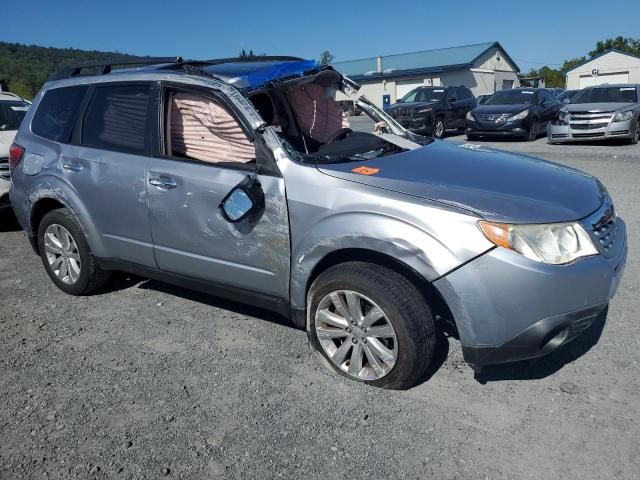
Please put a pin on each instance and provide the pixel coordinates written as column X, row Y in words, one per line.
column 236, row 294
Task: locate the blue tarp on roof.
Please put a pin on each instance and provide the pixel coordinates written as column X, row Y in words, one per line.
column 258, row 73
column 441, row 58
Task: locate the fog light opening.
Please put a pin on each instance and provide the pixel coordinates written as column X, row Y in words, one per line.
column 554, row 339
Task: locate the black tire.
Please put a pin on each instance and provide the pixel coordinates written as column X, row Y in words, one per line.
column 91, row 277
column 533, row 131
column 634, row 140
column 439, row 132
column 402, row 303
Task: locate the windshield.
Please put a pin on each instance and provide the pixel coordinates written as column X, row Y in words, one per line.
column 606, row 95
column 512, row 97
column 568, row 94
column 11, row 114
column 424, row 95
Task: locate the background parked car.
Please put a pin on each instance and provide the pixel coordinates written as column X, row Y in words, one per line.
column 567, row 96
column 557, row 92
column 433, row 110
column 12, row 111
column 599, row 113
column 482, row 99
column 349, row 107
column 521, row 112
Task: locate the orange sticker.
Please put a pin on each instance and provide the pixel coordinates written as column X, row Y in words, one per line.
column 366, row 170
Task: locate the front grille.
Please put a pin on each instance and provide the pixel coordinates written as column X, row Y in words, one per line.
column 559, row 135
column 587, row 126
column 603, row 226
column 588, row 135
column 591, row 116
column 619, row 132
column 492, row 117
column 4, row 169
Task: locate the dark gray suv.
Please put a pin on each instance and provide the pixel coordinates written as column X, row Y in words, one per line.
column 243, row 179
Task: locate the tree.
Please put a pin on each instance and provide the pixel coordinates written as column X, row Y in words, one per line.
column 569, row 64
column 326, row 58
column 619, row 43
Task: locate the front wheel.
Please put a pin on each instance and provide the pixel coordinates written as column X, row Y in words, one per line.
column 66, row 255
column 636, row 136
column 533, row 130
column 371, row 324
column 438, row 127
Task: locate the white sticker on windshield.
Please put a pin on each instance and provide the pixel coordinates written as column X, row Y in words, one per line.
column 439, row 91
column 626, row 89
column 20, row 109
column 527, row 92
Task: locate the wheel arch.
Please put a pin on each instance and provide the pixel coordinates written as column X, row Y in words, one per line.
column 440, row 310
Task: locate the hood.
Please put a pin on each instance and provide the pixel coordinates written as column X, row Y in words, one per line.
column 599, row 107
column 501, row 108
column 494, row 184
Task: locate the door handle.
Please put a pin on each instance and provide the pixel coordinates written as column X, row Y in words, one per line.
column 163, row 182
column 72, row 167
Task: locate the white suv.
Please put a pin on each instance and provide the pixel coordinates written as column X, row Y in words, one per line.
column 12, row 111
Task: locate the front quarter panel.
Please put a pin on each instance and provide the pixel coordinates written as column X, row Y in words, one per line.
column 328, row 214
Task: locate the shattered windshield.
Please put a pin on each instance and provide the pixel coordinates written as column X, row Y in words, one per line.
column 307, row 114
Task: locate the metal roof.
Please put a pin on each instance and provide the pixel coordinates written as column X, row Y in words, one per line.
column 437, row 60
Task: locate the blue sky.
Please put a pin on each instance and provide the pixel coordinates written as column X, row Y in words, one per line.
column 533, row 33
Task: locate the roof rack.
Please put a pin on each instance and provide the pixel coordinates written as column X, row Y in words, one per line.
column 102, row 68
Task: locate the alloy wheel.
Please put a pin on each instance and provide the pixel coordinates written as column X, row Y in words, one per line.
column 439, row 128
column 356, row 335
column 62, row 254
column 533, row 130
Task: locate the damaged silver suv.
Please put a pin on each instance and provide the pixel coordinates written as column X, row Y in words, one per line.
column 243, row 179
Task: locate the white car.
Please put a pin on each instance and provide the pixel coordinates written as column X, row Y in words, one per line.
column 12, row 111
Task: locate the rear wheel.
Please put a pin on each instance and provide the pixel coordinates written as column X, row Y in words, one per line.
column 66, row 255
column 371, row 325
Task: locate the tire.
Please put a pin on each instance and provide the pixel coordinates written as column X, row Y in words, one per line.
column 533, row 131
column 439, row 127
column 400, row 305
column 83, row 273
column 636, row 138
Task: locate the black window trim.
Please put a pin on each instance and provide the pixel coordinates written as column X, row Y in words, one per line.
column 219, row 97
column 76, row 138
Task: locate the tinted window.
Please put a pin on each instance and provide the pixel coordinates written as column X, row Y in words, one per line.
column 116, row 118
column 11, row 114
column 512, row 97
column 56, row 113
column 606, row 95
column 465, row 94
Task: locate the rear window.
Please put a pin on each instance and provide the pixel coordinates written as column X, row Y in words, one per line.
column 116, row 118
column 11, row 114
column 606, row 95
column 56, row 113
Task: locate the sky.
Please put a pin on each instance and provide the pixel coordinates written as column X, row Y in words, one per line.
column 534, row 33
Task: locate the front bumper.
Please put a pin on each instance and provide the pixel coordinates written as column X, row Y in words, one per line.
column 5, row 185
column 507, row 307
column 416, row 123
column 568, row 133
column 516, row 128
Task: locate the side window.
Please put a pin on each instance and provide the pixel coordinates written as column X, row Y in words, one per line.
column 116, row 118
column 466, row 94
column 454, row 94
column 200, row 128
column 56, row 113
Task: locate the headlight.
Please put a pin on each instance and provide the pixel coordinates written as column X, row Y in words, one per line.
column 425, row 110
column 554, row 243
column 623, row 116
column 563, row 117
column 520, row 115
column 470, row 116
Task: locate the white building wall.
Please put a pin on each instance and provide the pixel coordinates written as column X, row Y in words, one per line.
column 612, row 63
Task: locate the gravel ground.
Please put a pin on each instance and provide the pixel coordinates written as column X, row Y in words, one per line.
column 146, row 380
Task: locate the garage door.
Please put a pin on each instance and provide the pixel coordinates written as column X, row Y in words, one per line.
column 604, row 78
column 402, row 88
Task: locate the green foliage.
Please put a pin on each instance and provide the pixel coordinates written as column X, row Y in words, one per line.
column 326, row 58
column 25, row 68
column 619, row 43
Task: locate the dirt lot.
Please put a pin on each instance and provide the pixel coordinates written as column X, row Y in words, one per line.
column 146, row 380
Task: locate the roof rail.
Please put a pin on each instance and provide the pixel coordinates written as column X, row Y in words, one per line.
column 102, row 68
column 10, row 94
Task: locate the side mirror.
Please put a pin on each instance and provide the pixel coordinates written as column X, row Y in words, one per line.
column 453, row 100
column 245, row 198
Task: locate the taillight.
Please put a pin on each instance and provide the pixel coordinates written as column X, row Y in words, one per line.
column 16, row 152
